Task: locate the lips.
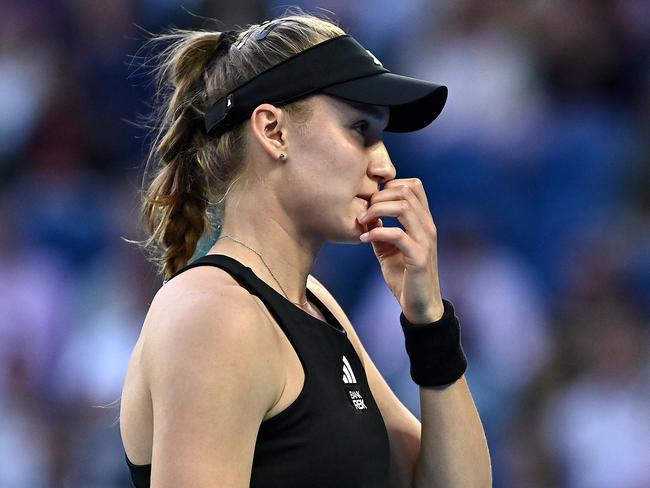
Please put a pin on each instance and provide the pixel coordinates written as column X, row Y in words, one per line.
column 365, row 197
column 366, row 200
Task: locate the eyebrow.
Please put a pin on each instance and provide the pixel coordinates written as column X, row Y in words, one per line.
column 368, row 110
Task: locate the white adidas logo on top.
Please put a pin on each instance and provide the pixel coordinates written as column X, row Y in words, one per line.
column 348, row 374
column 353, row 390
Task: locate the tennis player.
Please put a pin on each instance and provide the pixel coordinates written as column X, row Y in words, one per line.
column 247, row 372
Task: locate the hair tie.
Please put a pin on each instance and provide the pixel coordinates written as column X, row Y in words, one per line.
column 226, row 39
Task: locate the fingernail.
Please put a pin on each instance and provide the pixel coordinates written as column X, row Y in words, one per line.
column 364, row 237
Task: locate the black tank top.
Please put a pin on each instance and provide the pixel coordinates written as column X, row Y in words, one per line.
column 333, row 434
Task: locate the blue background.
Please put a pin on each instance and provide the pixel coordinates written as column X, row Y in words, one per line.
column 537, row 175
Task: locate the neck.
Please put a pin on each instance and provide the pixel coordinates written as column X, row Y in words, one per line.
column 287, row 253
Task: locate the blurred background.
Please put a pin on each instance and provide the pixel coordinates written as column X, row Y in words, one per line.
column 537, row 175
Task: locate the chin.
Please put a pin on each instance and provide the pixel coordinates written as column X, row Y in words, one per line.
column 347, row 234
column 358, row 229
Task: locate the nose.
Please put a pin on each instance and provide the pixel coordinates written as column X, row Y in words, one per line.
column 381, row 167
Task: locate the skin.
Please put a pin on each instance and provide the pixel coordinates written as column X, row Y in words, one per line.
column 310, row 198
column 337, row 155
column 286, row 209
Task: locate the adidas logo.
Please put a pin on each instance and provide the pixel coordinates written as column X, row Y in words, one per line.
column 348, row 374
column 354, row 393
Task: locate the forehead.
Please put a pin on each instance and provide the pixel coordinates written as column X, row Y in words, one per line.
column 372, row 111
column 354, row 108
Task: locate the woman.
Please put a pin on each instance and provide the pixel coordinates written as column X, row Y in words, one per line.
column 247, row 372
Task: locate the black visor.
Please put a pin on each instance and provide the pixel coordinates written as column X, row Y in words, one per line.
column 340, row 67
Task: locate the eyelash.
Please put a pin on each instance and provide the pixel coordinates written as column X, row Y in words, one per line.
column 363, row 125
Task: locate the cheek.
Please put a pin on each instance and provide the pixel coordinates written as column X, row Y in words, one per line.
column 332, row 172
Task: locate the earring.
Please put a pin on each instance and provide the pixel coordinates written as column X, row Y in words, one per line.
column 283, row 157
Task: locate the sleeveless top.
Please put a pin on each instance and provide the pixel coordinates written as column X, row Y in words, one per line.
column 333, row 434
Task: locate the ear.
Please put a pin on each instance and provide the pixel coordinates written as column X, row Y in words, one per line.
column 269, row 129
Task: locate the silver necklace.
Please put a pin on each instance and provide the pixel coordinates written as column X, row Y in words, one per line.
column 304, row 304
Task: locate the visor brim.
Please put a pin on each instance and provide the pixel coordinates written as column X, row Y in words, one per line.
column 413, row 103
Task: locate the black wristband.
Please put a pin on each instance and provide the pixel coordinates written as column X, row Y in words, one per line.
column 436, row 354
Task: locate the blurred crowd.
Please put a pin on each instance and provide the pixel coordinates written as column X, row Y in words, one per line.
column 538, row 179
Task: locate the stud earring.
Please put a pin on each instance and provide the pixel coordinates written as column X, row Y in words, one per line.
column 283, row 156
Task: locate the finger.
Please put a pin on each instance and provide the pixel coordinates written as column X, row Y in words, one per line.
column 418, row 221
column 374, row 224
column 416, row 185
column 405, row 192
column 395, row 236
column 402, row 210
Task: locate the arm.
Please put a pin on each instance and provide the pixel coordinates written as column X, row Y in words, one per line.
column 213, row 371
column 448, row 450
column 454, row 450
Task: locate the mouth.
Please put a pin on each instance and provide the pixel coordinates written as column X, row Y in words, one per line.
column 365, row 198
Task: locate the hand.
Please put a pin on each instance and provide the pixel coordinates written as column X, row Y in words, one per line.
column 409, row 256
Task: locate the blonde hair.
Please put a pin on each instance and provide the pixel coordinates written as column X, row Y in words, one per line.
column 187, row 173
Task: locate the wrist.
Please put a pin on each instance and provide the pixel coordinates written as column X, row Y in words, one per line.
column 434, row 349
column 429, row 317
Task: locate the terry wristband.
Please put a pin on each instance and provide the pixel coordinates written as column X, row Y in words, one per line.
column 437, row 357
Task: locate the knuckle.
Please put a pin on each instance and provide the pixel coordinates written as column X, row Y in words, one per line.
column 420, row 263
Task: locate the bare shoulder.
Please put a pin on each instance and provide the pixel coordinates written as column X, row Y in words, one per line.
column 201, row 309
column 214, row 369
column 200, row 287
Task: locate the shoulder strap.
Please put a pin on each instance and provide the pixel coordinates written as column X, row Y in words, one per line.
column 246, row 278
column 219, row 260
column 271, row 298
column 243, row 274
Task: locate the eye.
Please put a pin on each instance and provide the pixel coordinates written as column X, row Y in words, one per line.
column 362, row 127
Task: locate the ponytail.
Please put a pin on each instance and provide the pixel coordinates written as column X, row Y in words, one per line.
column 175, row 205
